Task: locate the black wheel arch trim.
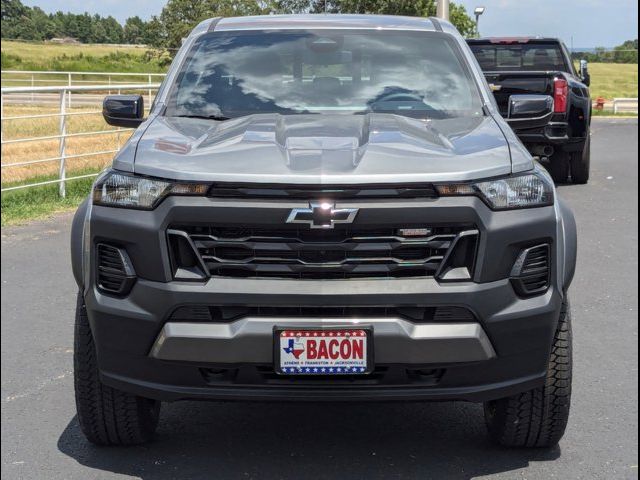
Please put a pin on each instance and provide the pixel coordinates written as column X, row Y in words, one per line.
column 77, row 234
column 570, row 242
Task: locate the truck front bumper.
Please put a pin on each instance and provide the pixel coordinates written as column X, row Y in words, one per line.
column 503, row 352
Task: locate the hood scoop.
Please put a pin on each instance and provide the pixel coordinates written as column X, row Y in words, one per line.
column 307, row 143
column 339, row 153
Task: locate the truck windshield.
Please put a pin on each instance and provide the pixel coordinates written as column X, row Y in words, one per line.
column 527, row 57
column 232, row 74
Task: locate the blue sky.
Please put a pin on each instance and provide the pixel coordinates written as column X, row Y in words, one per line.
column 591, row 23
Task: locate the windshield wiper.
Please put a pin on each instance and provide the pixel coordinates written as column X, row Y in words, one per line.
column 220, row 118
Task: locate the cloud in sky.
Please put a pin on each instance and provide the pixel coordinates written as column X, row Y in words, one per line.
column 591, row 23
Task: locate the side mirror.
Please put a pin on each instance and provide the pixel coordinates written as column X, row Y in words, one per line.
column 123, row 110
column 529, row 111
column 584, row 73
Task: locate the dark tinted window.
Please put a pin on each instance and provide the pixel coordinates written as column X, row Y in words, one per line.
column 529, row 57
column 416, row 74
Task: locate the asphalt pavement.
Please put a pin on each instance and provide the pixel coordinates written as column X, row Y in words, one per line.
column 41, row 438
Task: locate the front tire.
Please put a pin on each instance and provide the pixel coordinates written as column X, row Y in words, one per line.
column 537, row 418
column 107, row 416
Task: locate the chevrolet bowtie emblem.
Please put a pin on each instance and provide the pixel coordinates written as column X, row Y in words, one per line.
column 322, row 215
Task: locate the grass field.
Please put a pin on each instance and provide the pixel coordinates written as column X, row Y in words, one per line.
column 36, row 202
column 25, row 151
column 80, row 58
column 34, row 51
column 19, row 206
column 613, row 80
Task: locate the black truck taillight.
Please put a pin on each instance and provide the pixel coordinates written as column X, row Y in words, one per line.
column 560, row 95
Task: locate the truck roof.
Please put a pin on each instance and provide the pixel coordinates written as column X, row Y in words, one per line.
column 326, row 21
column 514, row 39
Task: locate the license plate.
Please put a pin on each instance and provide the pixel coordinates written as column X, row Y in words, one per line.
column 336, row 351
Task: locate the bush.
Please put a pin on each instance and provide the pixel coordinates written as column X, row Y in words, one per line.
column 11, row 62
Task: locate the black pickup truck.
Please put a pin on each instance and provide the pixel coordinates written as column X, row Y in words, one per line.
column 543, row 66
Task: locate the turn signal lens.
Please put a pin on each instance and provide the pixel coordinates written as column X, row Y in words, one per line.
column 456, row 189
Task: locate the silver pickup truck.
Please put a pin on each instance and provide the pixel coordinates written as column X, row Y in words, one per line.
column 323, row 208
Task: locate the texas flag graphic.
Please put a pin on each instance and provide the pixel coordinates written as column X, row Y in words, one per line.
column 294, row 348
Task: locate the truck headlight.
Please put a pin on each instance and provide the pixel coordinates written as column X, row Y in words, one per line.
column 116, row 189
column 507, row 193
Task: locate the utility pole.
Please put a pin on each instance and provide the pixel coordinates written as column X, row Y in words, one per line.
column 478, row 11
column 442, row 10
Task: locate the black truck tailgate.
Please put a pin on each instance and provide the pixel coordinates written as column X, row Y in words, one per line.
column 505, row 84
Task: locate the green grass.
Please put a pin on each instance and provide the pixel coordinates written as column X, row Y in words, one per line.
column 609, row 113
column 613, row 80
column 20, row 206
column 81, row 58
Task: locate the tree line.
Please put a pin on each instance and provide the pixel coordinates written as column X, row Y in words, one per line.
column 32, row 23
column 625, row 53
column 178, row 17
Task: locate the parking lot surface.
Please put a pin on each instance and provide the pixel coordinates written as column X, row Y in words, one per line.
column 41, row 437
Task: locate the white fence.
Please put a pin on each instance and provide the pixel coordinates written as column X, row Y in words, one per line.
column 628, row 105
column 17, row 95
column 34, row 78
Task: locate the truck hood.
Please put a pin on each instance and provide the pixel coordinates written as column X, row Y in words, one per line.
column 323, row 149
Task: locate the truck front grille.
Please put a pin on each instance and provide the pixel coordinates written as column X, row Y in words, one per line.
column 324, row 192
column 340, row 253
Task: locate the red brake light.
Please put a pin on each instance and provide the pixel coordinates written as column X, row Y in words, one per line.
column 560, row 95
column 509, row 40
